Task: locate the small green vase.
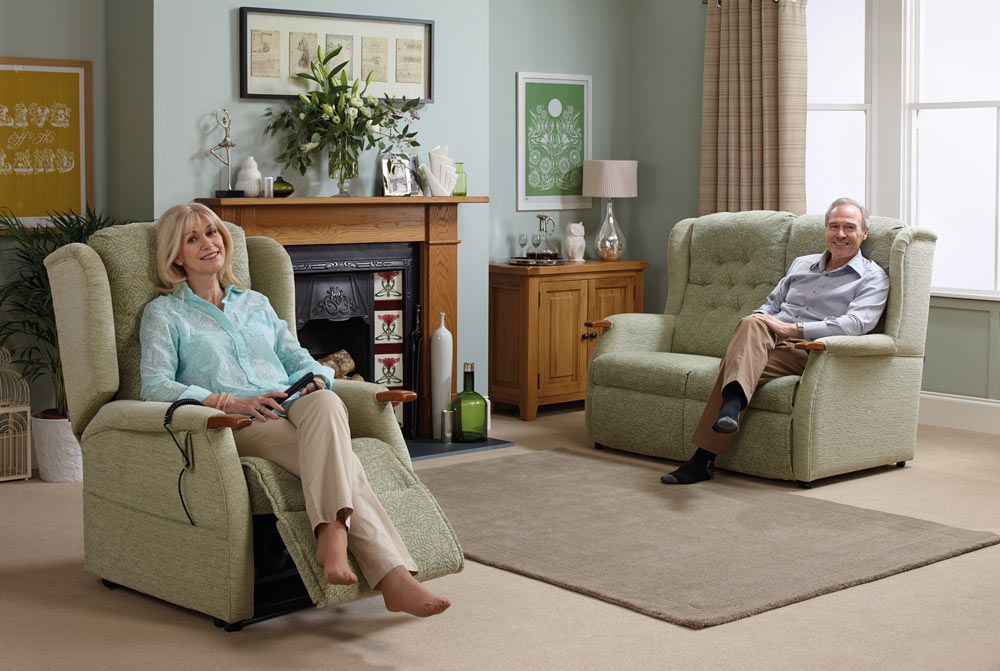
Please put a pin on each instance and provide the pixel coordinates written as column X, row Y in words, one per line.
column 282, row 189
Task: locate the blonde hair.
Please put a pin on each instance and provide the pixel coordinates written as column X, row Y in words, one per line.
column 170, row 230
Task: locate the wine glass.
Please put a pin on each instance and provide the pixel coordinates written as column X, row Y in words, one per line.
column 536, row 240
column 522, row 239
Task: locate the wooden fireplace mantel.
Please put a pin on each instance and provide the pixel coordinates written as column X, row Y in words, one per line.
column 429, row 220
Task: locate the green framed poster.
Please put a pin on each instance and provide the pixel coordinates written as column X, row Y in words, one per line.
column 553, row 140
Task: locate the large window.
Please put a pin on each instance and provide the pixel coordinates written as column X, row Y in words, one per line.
column 838, row 103
column 904, row 112
column 954, row 112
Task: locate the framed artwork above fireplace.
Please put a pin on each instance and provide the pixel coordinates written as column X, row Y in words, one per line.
column 276, row 44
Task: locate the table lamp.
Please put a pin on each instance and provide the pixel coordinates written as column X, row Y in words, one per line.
column 610, row 179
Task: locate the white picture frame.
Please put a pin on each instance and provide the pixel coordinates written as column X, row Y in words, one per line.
column 550, row 172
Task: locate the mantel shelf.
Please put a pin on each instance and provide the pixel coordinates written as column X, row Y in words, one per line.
column 333, row 201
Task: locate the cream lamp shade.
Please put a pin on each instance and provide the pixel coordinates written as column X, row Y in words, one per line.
column 610, row 179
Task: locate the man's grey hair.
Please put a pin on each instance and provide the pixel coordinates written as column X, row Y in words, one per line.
column 847, row 201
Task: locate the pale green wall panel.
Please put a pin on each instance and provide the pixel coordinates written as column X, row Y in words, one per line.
column 959, row 355
column 131, row 114
column 667, row 54
column 579, row 37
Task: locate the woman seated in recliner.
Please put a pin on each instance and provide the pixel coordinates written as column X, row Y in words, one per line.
column 212, row 340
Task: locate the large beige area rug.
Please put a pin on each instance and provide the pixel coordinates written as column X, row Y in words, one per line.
column 696, row 556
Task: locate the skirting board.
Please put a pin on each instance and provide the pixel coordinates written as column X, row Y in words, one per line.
column 960, row 412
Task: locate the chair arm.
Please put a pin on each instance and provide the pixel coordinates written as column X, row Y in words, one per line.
column 637, row 332
column 874, row 344
column 369, row 417
column 131, row 461
column 148, row 416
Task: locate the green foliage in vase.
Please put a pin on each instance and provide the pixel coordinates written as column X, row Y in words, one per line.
column 26, row 314
column 340, row 117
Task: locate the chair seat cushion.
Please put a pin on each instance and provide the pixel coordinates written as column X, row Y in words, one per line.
column 414, row 511
column 683, row 376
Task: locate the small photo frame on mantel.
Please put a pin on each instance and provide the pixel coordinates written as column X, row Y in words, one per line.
column 554, row 118
column 276, row 44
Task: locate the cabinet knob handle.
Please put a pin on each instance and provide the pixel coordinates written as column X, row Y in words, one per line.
column 593, row 334
column 586, row 336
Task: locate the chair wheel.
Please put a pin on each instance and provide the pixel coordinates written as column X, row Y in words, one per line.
column 900, row 464
column 109, row 584
column 805, row 485
column 598, row 446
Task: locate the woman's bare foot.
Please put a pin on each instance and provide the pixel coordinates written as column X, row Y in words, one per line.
column 402, row 593
column 331, row 553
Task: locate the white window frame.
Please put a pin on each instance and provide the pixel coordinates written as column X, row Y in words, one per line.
column 890, row 86
column 908, row 114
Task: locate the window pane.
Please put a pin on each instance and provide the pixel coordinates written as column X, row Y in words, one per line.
column 956, row 179
column 835, row 39
column 959, row 50
column 835, row 158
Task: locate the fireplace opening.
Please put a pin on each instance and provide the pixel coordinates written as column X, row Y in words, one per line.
column 362, row 298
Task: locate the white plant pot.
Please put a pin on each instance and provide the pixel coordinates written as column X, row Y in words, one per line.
column 56, row 450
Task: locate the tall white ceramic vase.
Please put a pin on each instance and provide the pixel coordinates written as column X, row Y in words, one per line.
column 56, row 450
column 441, row 353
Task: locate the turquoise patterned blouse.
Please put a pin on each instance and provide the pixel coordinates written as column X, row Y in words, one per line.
column 191, row 349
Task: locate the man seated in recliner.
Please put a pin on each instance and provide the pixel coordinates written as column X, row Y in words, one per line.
column 838, row 292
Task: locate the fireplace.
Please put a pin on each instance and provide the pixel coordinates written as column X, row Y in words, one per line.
column 363, row 298
column 428, row 221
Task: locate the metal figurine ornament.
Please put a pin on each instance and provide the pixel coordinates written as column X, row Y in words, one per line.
column 222, row 116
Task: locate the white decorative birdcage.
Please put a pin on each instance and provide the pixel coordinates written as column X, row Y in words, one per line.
column 15, row 426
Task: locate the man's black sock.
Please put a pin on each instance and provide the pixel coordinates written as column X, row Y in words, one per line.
column 701, row 466
column 733, row 401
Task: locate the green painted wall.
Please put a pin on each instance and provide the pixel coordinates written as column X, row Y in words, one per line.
column 583, row 37
column 664, row 105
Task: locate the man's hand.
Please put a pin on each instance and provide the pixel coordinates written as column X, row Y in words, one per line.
column 783, row 330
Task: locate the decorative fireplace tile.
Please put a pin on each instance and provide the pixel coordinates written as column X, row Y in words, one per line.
column 387, row 347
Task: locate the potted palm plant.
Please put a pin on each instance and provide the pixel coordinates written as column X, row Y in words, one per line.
column 28, row 326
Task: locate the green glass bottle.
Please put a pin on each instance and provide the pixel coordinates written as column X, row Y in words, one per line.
column 469, row 410
column 460, row 185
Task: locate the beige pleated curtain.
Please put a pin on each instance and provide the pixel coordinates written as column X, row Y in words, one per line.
column 753, row 129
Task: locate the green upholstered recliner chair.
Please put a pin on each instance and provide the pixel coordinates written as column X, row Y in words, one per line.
column 136, row 532
column 855, row 405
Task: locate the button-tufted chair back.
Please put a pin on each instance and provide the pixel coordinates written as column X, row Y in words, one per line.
column 722, row 267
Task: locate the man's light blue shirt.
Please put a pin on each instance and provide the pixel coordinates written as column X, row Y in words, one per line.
column 191, row 349
column 845, row 301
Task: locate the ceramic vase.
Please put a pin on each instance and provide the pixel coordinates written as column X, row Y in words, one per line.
column 249, row 179
column 441, row 353
column 56, row 450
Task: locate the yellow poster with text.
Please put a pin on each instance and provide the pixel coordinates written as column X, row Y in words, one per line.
column 42, row 148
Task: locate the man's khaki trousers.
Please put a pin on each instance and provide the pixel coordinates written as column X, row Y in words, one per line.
column 314, row 443
column 755, row 356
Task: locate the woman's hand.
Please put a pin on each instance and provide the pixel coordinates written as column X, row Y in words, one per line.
column 315, row 385
column 261, row 407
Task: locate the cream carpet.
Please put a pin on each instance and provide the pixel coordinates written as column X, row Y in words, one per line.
column 695, row 556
